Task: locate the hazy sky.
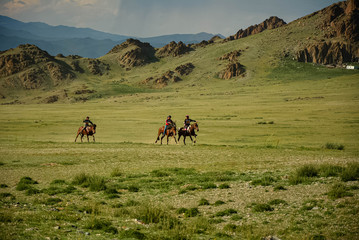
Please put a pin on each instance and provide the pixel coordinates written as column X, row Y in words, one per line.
column 145, row 18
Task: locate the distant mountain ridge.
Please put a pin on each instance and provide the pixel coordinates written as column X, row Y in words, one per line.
column 66, row 40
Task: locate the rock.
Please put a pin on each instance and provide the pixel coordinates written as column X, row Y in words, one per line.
column 51, row 99
column 173, row 49
column 271, row 238
column 232, row 70
column 84, row 91
column 231, row 56
column 270, row 23
column 97, row 67
column 75, row 65
column 29, row 67
column 184, row 69
column 170, row 76
column 132, row 53
column 328, row 53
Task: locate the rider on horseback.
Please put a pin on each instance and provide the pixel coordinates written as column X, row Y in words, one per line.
column 169, row 122
column 187, row 123
column 87, row 122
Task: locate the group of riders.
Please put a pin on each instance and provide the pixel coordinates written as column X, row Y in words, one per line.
column 89, row 127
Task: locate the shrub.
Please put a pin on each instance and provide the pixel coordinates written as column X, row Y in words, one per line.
column 236, row 217
column 262, row 207
column 25, row 183
column 350, row 173
column 279, row 187
column 101, row 224
column 277, row 202
column 81, row 179
column 230, row 227
column 203, row 202
column 334, row 146
column 116, row 173
column 192, row 212
column 224, row 186
column 5, row 195
column 218, row 203
column 307, row 171
column 58, row 181
column 181, row 210
column 132, row 234
column 209, row 186
column 51, row 201
column 159, row 173
column 309, row 205
column 338, row 191
column 131, row 203
column 328, row 170
column 97, row 183
column 264, row 181
column 32, row 191
column 133, row 188
column 3, row 185
column 226, row 212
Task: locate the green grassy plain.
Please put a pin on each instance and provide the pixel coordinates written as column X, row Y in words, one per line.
column 256, row 133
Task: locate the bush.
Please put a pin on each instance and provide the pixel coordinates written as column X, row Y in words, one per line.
column 224, row 186
column 277, row 202
column 203, row 202
column 338, row 190
column 262, row 207
column 350, row 173
column 3, row 185
column 101, row 224
column 226, row 212
column 192, row 212
column 218, row 203
column 159, row 173
column 81, row 179
column 132, row 234
column 307, row 171
column 209, row 186
column 230, row 227
column 330, row 170
column 25, row 183
column 264, row 181
column 32, row 191
column 58, row 181
column 334, row 146
column 133, row 188
column 116, row 173
column 97, row 183
column 279, row 187
column 51, row 201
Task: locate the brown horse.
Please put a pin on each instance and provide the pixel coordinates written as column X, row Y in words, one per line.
column 91, row 130
column 190, row 132
column 170, row 132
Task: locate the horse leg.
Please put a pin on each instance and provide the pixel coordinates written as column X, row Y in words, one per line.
column 162, row 138
column 191, row 138
column 93, row 136
column 77, row 136
column 175, row 138
column 82, row 137
column 88, row 140
column 184, row 139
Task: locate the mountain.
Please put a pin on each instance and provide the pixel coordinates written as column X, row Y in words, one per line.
column 261, row 53
column 85, row 42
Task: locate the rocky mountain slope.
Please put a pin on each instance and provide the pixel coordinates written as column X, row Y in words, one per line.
column 329, row 36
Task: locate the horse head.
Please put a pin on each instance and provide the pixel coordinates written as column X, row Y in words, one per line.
column 195, row 125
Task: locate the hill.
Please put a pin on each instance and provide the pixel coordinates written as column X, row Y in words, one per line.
column 75, row 41
column 328, row 36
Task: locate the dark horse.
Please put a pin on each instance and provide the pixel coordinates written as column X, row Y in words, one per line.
column 170, row 132
column 91, row 132
column 191, row 132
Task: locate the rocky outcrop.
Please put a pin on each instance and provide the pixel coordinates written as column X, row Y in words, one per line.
column 328, row 53
column 173, row 49
column 97, row 67
column 231, row 56
column 340, row 23
column 342, row 20
column 29, row 67
column 170, row 76
column 270, row 23
column 133, row 53
column 234, row 68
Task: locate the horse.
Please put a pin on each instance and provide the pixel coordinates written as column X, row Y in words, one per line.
column 91, row 132
column 191, row 132
column 170, row 132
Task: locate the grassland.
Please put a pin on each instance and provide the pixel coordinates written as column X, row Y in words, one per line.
column 277, row 153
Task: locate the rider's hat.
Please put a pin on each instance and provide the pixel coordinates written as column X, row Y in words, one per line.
column 187, row 115
column 169, row 116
